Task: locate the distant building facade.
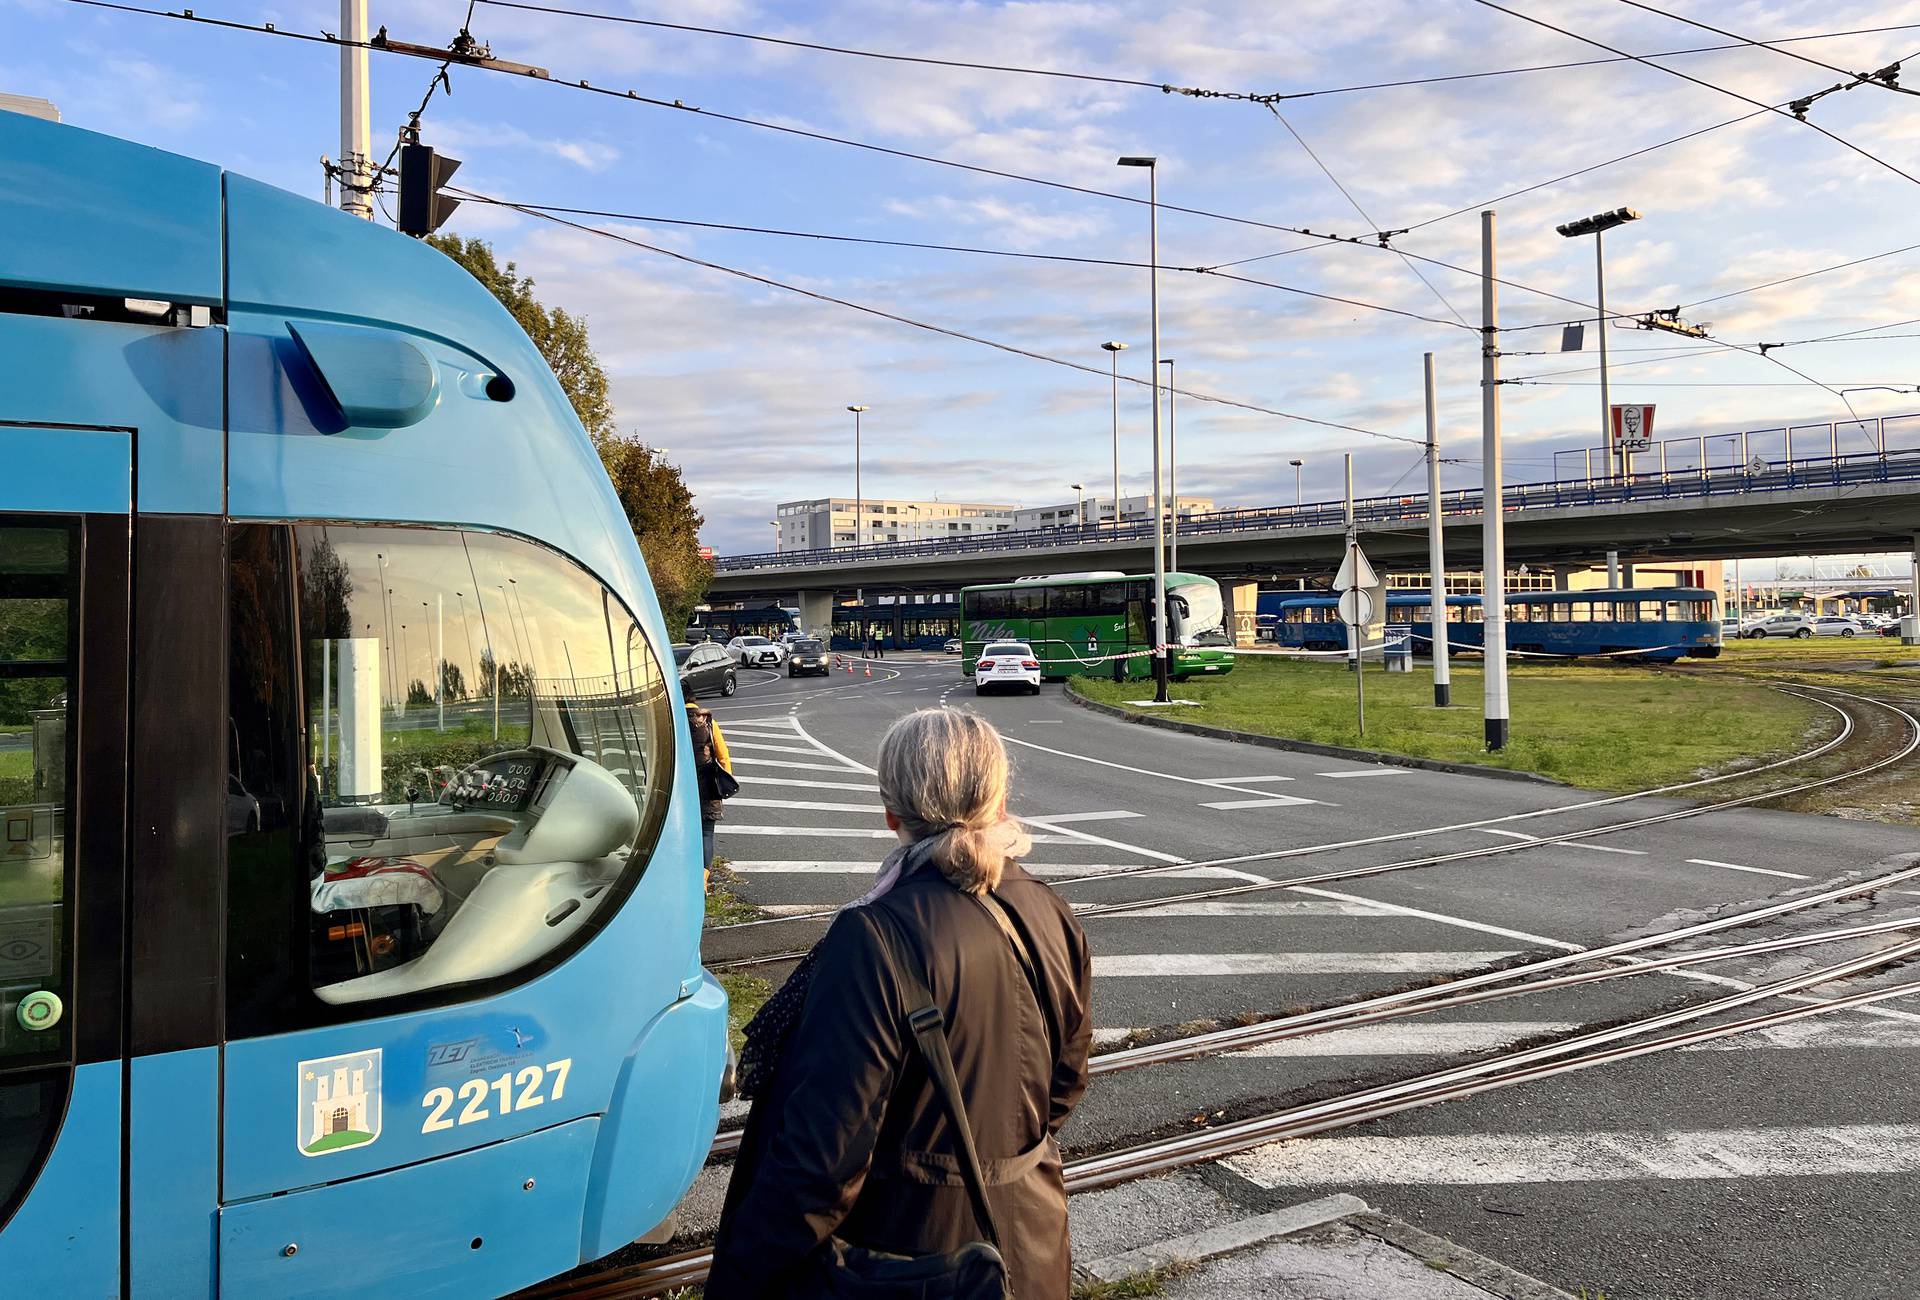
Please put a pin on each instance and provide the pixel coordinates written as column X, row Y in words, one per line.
column 826, row 522
column 1100, row 510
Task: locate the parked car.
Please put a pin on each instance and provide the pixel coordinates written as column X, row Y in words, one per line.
column 807, row 656
column 705, row 670
column 1838, row 625
column 1006, row 663
column 952, row 645
column 755, row 652
column 1794, row 625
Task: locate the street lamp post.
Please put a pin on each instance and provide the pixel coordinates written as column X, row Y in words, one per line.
column 1296, row 462
column 1079, row 504
column 1597, row 226
column 1114, row 350
column 1160, row 673
column 1173, row 476
column 775, row 525
column 857, row 501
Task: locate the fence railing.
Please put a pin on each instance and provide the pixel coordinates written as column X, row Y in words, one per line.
column 1762, row 461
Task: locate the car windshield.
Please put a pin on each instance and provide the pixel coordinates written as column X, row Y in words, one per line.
column 807, row 647
column 754, row 640
column 1009, row 648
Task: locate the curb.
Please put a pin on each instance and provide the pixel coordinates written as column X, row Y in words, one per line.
column 1197, row 1247
column 1307, row 746
column 1450, row 1257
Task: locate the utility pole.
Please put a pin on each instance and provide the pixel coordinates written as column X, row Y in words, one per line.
column 1436, row 555
column 1493, row 544
column 1113, row 351
column 1356, row 630
column 356, row 115
column 1606, row 395
column 1161, row 672
column 1173, row 477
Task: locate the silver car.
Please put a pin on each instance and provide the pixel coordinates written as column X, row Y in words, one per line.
column 755, row 652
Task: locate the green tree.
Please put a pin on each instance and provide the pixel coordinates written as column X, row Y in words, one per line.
column 656, row 500
column 660, row 508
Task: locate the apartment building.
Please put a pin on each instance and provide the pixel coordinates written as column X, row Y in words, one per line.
column 827, row 522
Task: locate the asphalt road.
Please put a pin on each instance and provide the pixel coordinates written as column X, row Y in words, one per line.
column 1747, row 1171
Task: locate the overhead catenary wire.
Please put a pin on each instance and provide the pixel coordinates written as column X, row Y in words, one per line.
column 1863, row 78
column 1143, row 83
column 1708, row 85
column 948, row 331
column 876, row 241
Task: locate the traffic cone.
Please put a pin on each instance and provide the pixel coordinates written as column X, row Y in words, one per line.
column 869, row 670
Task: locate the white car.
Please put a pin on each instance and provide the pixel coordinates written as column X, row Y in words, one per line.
column 1838, row 625
column 1006, row 663
column 755, row 652
column 1794, row 625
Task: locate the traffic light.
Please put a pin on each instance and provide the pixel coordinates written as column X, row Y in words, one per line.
column 423, row 208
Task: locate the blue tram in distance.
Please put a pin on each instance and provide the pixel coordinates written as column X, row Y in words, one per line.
column 927, row 625
column 350, row 883
column 1646, row 624
column 722, row 625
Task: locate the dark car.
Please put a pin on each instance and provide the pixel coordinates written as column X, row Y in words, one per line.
column 807, row 656
column 705, row 670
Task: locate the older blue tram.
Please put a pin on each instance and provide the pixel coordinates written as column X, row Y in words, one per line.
column 350, row 874
column 1653, row 624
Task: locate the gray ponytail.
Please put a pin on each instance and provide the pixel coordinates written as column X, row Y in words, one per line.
column 944, row 773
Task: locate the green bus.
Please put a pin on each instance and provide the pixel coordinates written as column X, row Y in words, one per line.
column 1074, row 620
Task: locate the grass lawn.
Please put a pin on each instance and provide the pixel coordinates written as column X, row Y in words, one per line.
column 724, row 904
column 1820, row 651
column 745, row 994
column 1602, row 727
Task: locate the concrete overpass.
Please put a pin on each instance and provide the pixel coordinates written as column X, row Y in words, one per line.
column 1807, row 506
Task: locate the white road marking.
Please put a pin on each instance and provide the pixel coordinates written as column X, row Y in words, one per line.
column 1245, row 780
column 1368, row 771
column 1218, row 783
column 1758, row 871
column 1270, row 801
column 1483, row 1159
column 783, row 724
column 770, row 749
column 1169, row 964
column 1420, row 1039
column 1043, row 722
column 1044, row 870
column 1054, row 819
column 1567, row 844
column 846, row 833
column 833, row 753
column 865, row 788
column 1086, row 837
column 1442, row 918
column 1232, row 907
column 788, row 763
column 806, row 805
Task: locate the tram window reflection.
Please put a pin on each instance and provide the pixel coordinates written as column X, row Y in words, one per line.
column 491, row 744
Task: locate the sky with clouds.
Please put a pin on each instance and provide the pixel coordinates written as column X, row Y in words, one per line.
column 746, row 384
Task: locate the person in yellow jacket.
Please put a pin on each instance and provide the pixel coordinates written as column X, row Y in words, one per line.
column 713, row 767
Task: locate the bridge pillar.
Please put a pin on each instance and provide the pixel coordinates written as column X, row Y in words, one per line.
column 816, row 613
column 1910, row 625
column 1242, row 600
column 1626, row 577
column 1563, row 577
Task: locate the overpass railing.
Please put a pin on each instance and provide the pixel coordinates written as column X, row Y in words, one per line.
column 1895, row 458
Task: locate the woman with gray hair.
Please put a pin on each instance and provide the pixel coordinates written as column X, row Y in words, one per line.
column 850, row 1153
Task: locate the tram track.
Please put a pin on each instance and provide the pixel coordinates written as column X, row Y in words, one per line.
column 1695, row 1024
column 1912, row 742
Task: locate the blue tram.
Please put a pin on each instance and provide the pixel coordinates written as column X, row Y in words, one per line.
column 1312, row 621
column 924, row 626
column 722, row 625
column 350, row 884
column 1653, row 624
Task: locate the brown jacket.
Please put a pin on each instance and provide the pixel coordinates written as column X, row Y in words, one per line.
column 851, row 1139
column 701, row 728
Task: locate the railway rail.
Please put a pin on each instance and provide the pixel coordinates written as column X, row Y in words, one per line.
column 1435, row 859
column 1695, row 1024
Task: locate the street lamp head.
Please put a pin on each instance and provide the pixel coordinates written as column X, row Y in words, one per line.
column 856, row 409
column 1138, row 161
column 1296, row 463
column 1114, row 347
column 1077, row 487
column 1598, row 222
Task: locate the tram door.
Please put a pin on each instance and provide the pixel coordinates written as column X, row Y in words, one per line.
column 64, row 563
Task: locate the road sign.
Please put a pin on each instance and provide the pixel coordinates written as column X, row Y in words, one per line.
column 1356, row 607
column 1355, row 571
column 1632, row 427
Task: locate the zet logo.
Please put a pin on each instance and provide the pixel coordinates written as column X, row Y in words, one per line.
column 339, row 1103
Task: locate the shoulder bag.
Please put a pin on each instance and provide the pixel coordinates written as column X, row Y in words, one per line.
column 976, row 1270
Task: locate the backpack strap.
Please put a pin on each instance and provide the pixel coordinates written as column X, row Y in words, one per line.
column 928, row 1026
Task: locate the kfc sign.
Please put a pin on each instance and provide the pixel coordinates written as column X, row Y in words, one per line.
column 1632, row 428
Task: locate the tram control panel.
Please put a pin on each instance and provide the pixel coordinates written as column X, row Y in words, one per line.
column 511, row 857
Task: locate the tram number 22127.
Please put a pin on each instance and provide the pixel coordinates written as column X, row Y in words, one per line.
column 517, row 1091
